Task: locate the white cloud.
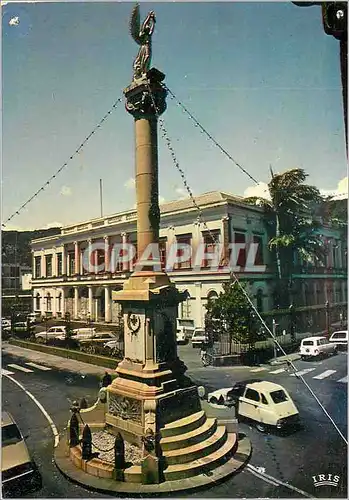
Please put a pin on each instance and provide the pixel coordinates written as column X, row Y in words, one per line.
column 66, row 191
column 341, row 192
column 14, row 21
column 53, row 224
column 182, row 193
column 130, row 183
column 260, row 189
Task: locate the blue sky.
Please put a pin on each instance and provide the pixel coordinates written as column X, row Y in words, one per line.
column 262, row 78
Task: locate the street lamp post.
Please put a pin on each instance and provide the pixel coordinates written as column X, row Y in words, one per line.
column 292, row 332
column 274, row 335
column 327, row 307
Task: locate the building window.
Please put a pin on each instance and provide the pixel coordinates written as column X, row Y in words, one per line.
column 210, row 241
column 212, row 296
column 186, row 309
column 162, row 252
column 48, row 302
column 182, row 252
column 259, row 299
column 37, row 267
column 60, row 302
column 59, row 257
column 48, row 261
column 335, row 253
column 37, row 302
column 241, row 254
column 259, row 260
column 100, row 260
column 338, row 293
column 71, row 263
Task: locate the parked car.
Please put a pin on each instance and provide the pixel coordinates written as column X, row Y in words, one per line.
column 20, row 326
column 340, row 339
column 5, row 324
column 55, row 332
column 267, row 404
column 34, row 317
column 316, row 346
column 18, row 471
column 199, row 336
column 181, row 336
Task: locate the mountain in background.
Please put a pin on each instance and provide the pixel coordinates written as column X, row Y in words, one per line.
column 15, row 248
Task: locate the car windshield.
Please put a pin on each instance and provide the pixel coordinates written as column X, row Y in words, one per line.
column 10, row 435
column 278, row 396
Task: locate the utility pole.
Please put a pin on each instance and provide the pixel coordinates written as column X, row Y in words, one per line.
column 335, row 23
column 274, row 335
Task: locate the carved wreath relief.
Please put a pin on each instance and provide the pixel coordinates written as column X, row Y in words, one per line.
column 125, row 408
column 133, row 323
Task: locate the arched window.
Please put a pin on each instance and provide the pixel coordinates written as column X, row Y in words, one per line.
column 259, row 299
column 212, row 295
column 48, row 302
column 186, row 308
column 37, row 301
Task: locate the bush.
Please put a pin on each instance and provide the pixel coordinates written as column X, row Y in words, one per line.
column 67, row 343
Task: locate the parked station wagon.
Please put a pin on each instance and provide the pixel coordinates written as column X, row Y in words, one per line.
column 316, row 346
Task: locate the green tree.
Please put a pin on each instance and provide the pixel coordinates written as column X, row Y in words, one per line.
column 231, row 315
column 292, row 209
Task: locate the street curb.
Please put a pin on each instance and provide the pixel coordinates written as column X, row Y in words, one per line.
column 284, row 359
column 232, row 466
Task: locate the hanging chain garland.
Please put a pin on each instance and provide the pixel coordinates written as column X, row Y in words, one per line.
column 77, row 151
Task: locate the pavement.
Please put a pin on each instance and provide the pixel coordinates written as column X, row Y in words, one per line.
column 54, row 361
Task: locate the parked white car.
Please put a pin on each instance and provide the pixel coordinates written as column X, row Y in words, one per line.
column 55, row 332
column 265, row 403
column 181, row 336
column 34, row 317
column 316, row 346
column 199, row 336
column 339, row 338
column 5, row 324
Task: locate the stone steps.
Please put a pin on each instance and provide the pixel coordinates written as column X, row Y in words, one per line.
column 184, row 425
column 197, row 450
column 189, row 438
column 199, row 466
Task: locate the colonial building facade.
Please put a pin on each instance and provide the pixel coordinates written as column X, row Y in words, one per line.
column 62, row 282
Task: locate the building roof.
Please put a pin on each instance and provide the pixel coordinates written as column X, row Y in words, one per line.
column 209, row 198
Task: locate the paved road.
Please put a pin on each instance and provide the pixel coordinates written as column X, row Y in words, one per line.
column 317, row 449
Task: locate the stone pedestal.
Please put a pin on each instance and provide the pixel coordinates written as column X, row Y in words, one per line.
column 151, row 388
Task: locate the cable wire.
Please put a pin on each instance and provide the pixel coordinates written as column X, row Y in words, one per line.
column 204, row 131
column 78, row 150
column 236, row 279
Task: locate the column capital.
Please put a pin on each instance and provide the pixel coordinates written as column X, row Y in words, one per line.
column 142, row 94
column 123, row 234
column 76, row 243
column 89, row 241
column 106, row 237
column 225, row 218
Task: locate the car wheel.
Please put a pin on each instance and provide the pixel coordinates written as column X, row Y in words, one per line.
column 40, row 340
column 261, row 427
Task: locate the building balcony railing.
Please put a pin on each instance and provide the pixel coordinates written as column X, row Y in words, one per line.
column 319, row 270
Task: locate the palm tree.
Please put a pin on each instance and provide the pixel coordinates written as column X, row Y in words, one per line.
column 291, row 209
